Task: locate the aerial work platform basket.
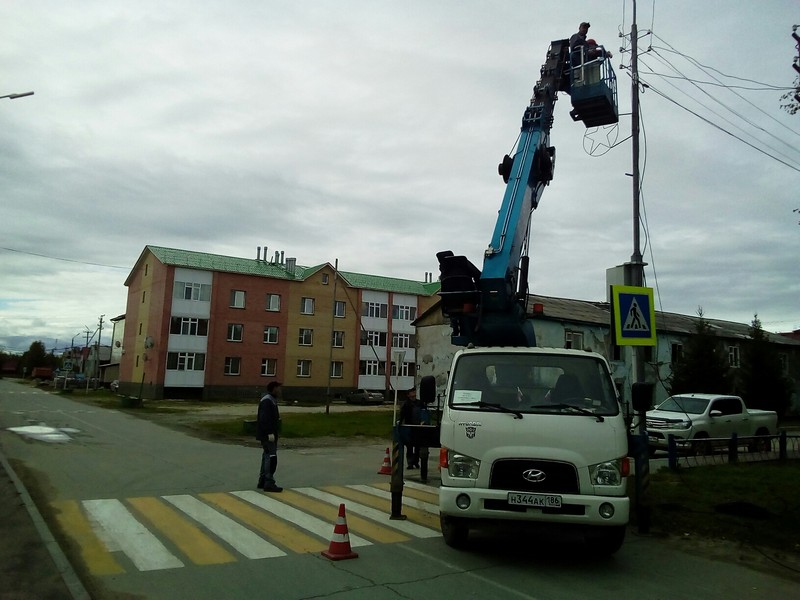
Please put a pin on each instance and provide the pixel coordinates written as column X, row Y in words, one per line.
column 593, row 89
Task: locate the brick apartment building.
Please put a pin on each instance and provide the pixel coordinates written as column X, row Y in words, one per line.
column 218, row 327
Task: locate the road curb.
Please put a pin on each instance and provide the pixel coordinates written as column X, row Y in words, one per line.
column 65, row 570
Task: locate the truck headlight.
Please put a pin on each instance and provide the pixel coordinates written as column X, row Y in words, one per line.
column 462, row 466
column 683, row 425
column 606, row 473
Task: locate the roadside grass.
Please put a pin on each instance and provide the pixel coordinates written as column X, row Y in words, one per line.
column 756, row 504
column 315, row 425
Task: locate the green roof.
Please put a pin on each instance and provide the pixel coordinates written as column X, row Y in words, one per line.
column 261, row 268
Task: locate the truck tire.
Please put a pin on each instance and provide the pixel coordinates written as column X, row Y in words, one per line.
column 761, row 442
column 605, row 541
column 454, row 530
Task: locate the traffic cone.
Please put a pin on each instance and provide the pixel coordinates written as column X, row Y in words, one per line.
column 339, row 548
column 386, row 467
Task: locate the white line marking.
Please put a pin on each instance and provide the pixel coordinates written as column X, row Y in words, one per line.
column 130, row 536
column 241, row 538
column 412, row 502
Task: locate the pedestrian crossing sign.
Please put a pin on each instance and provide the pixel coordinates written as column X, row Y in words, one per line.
column 634, row 315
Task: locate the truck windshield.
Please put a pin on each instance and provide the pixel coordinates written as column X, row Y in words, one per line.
column 683, row 404
column 530, row 383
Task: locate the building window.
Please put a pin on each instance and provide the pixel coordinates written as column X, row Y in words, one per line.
column 404, row 313
column 237, row 299
column 338, row 339
column 784, row 360
column 324, row 279
column 406, row 369
column 338, row 308
column 269, row 367
column 188, row 326
column 374, row 309
column 304, row 368
column 733, row 356
column 306, row 337
column 235, row 332
column 676, row 354
column 144, row 295
column 573, row 339
column 186, row 361
column 337, row 369
column 273, row 302
column 270, row 334
column 232, row 365
column 373, row 338
column 402, row 340
column 372, row 367
column 306, row 306
column 186, row 290
column 146, row 267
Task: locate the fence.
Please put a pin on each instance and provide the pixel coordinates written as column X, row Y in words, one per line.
column 717, row 451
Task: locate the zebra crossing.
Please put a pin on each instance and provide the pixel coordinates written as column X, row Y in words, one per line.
column 153, row 533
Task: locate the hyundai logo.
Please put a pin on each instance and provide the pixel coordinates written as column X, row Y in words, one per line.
column 534, row 475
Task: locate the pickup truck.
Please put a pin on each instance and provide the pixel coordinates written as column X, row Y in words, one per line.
column 700, row 421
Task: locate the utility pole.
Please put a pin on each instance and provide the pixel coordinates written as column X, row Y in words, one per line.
column 333, row 325
column 97, row 354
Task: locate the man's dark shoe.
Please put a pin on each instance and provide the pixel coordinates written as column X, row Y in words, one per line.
column 260, row 485
column 272, row 488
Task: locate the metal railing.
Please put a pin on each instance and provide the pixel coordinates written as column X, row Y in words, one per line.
column 718, row 451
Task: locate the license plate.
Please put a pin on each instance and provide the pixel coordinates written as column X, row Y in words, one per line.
column 536, row 500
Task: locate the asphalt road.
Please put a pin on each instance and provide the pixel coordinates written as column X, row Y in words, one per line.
column 148, row 512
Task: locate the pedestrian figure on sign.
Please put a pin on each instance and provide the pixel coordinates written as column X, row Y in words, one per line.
column 634, row 313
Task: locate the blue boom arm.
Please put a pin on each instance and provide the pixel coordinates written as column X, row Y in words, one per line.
column 487, row 307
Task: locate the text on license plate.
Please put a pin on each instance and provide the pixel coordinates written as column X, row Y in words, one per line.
column 537, row 500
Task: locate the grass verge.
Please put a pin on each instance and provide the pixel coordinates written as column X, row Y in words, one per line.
column 315, row 425
column 753, row 503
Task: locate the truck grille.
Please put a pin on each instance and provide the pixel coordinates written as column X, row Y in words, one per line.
column 560, row 477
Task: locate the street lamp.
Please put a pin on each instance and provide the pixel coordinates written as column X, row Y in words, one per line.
column 15, row 96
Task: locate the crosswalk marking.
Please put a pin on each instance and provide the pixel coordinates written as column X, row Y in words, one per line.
column 189, row 539
column 276, row 529
column 371, row 513
column 167, row 532
column 130, row 536
column 245, row 541
column 308, row 522
column 94, row 553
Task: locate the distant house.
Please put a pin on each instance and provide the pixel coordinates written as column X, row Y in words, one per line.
column 581, row 324
column 212, row 326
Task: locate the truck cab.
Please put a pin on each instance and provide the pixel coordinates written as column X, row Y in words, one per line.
column 533, row 434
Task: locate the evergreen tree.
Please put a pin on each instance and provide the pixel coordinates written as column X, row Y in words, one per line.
column 760, row 379
column 704, row 366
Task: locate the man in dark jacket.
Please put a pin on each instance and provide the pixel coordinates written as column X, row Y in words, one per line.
column 267, row 429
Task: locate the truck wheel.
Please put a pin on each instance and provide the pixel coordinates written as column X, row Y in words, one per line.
column 454, row 530
column 701, row 445
column 605, row 541
column 761, row 442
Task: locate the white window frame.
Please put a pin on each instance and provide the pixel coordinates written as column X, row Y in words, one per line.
column 273, row 302
column 238, row 298
column 337, row 305
column 338, row 339
column 306, row 305
column 734, row 357
column 573, row 339
column 337, row 369
column 233, row 365
column 269, row 367
column 271, row 334
column 304, row 367
column 235, row 332
column 305, row 337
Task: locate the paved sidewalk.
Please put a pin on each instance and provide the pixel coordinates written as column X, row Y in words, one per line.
column 32, row 566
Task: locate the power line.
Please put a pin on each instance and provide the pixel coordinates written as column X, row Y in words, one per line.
column 61, row 258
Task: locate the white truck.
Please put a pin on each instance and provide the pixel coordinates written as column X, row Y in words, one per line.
column 535, row 435
column 701, row 421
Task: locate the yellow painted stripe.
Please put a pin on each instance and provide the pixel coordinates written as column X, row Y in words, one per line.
column 94, row 553
column 415, row 515
column 276, row 529
column 356, row 524
column 189, row 539
column 430, row 497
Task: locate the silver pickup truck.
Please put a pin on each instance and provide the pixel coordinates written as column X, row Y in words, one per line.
column 700, row 421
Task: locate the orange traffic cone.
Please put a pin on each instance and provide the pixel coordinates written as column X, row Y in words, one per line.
column 386, row 467
column 339, row 548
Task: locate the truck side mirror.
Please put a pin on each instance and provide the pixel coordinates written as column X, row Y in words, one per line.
column 427, row 389
column 642, row 396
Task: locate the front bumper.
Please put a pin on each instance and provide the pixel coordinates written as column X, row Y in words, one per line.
column 493, row 504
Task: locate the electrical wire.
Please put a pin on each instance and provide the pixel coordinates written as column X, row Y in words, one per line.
column 61, row 258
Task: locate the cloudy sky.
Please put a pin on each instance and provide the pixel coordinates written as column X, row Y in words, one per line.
column 370, row 131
